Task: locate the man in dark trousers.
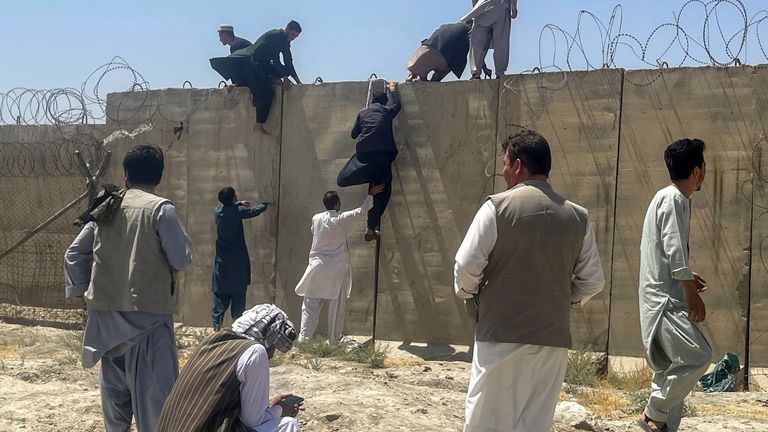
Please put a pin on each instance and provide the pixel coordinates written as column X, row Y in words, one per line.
column 232, row 265
column 374, row 152
column 227, row 37
column 268, row 70
column 444, row 52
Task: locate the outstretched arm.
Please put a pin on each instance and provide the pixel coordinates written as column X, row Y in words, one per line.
column 395, row 108
column 245, row 210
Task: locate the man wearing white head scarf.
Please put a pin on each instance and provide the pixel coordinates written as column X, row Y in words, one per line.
column 225, row 384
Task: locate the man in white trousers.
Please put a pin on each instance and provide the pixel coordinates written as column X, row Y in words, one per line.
column 491, row 28
column 329, row 276
column 529, row 257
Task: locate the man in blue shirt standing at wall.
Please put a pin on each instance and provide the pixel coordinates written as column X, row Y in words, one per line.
column 232, row 265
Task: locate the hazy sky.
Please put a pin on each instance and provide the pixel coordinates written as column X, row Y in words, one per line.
column 54, row 43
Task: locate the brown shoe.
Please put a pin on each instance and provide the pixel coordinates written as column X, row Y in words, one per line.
column 372, row 235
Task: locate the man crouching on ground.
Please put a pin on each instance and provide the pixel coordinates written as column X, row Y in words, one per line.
column 225, row 384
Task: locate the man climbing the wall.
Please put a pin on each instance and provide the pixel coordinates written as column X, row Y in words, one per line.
column 445, row 51
column 227, row 37
column 375, row 151
column 269, row 71
column 328, row 276
column 231, row 265
column 670, row 303
column 491, row 19
column 125, row 264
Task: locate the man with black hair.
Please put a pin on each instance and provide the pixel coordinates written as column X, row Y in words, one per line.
column 328, row 276
column 529, row 257
column 231, row 265
column 227, row 37
column 670, row 303
column 268, row 70
column 126, row 269
column 375, row 150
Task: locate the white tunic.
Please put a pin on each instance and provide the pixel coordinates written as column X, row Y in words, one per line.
column 329, row 271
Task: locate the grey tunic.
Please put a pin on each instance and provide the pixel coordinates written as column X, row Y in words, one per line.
column 675, row 348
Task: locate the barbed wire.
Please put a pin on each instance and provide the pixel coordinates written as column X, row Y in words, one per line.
column 704, row 42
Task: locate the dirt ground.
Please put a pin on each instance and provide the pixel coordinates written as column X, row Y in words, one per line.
column 43, row 388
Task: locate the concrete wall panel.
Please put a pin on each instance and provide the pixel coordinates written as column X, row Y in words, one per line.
column 579, row 114
column 758, row 334
column 215, row 149
column 438, row 181
column 717, row 106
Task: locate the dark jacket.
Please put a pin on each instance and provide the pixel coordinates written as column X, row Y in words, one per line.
column 452, row 40
column 238, row 44
column 373, row 127
column 232, row 266
column 267, row 50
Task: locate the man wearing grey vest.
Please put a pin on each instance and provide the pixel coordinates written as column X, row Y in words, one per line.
column 528, row 258
column 126, row 269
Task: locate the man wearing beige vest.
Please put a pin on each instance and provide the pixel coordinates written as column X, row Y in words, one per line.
column 528, row 258
column 125, row 265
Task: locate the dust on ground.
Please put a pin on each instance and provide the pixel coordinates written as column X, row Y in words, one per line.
column 43, row 388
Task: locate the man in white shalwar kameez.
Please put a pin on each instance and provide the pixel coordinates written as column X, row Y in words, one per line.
column 491, row 28
column 670, row 304
column 329, row 276
column 529, row 257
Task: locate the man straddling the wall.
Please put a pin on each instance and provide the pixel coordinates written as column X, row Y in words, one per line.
column 227, row 37
column 224, row 385
column 231, row 265
column 328, row 276
column 670, row 304
column 491, row 18
column 445, row 51
column 528, row 258
column 374, row 152
column 267, row 69
column 128, row 262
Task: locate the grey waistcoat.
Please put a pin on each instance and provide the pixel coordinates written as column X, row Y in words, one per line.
column 130, row 269
column 526, row 291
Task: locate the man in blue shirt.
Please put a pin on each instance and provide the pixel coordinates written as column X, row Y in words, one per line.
column 231, row 265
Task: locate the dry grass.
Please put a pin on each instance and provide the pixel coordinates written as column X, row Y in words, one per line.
column 9, row 352
column 582, row 369
column 604, row 403
column 743, row 410
column 630, row 381
column 317, row 347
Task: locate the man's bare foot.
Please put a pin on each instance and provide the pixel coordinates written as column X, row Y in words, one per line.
column 258, row 128
column 229, row 88
column 371, row 235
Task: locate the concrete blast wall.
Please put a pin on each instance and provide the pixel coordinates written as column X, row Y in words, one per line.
column 607, row 130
